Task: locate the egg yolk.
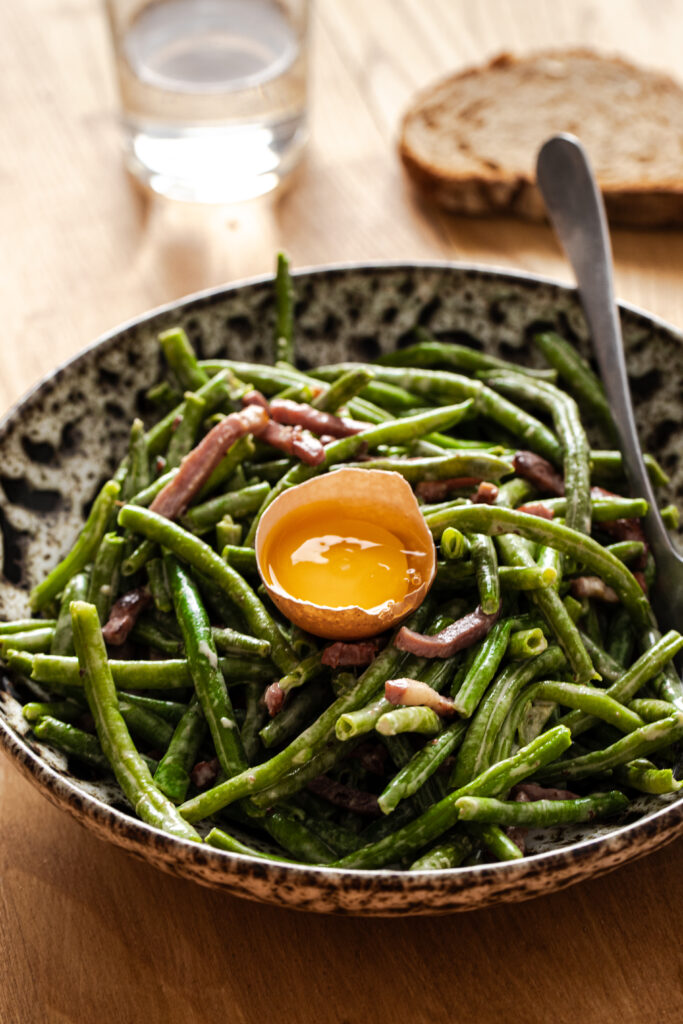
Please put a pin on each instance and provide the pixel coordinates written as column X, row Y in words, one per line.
column 332, row 559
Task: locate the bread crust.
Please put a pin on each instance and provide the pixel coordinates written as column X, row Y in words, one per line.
column 500, row 190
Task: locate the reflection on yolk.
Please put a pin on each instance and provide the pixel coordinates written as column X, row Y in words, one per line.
column 331, row 559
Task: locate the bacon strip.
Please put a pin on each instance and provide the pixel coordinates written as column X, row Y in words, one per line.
column 205, row 773
column 456, row 637
column 196, row 467
column 274, row 698
column 438, row 490
column 539, row 472
column 537, row 508
column 413, row 693
column 124, row 614
column 486, row 493
column 255, row 398
column 294, row 441
column 341, row 795
column 593, row 586
column 300, row 414
column 361, row 653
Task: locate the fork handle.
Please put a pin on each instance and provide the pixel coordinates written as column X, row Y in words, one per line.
column 577, row 212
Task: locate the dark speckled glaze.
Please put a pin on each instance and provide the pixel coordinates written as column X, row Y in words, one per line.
column 65, row 438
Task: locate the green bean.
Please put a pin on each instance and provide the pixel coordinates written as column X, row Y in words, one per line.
column 158, row 585
column 185, row 433
column 527, row 643
column 83, row 550
column 607, row 466
column 454, row 544
column 608, row 668
column 448, row 854
column 620, row 639
column 137, row 475
column 310, row 742
column 440, row 386
column 495, row 840
column 540, row 813
column 202, row 660
column 272, row 470
column 130, row 770
column 240, row 558
column 646, row 778
column 342, row 390
column 253, row 721
column 221, row 840
column 639, row 743
column 442, row 816
column 410, row 719
column 230, row 641
column 394, row 399
column 163, row 395
column 650, row 710
column 33, row 640
column 24, row 625
column 172, row 775
column 630, row 682
column 626, row 550
column 181, row 358
column 528, row 577
column 309, row 668
column 148, row 632
column 603, row 510
column 170, row 674
column 71, row 741
column 439, row 467
column 146, row 725
column 475, row 753
column 575, row 449
column 104, row 579
column 240, row 503
column 481, row 670
column 201, row 557
column 64, row 710
column 169, row 710
column 670, row 517
column 228, row 533
column 486, row 571
column 580, row 379
column 598, row 703
column 284, row 314
column 421, row 766
column 429, row 353
column 297, row 839
column 138, row 559
column 147, row 495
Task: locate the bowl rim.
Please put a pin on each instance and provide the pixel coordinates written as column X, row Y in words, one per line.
column 122, row 828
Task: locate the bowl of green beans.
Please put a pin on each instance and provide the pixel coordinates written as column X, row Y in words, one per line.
column 519, row 732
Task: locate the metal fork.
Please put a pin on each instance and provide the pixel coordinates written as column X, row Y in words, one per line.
column 577, row 213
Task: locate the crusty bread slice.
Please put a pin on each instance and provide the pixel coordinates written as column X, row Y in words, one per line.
column 470, row 142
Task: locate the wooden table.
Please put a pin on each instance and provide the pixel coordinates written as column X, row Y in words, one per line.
column 88, row 934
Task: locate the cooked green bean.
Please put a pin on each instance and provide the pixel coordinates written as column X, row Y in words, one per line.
column 417, row 719
column 540, row 813
column 181, row 358
column 580, row 379
column 130, row 769
column 83, row 550
column 284, row 313
column 202, row 660
column 486, row 571
column 172, row 775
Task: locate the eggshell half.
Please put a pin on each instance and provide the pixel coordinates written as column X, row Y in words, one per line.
column 371, row 494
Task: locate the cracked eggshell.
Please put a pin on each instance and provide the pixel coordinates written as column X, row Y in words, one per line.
column 371, row 494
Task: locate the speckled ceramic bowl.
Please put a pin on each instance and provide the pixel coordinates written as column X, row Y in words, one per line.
column 65, row 438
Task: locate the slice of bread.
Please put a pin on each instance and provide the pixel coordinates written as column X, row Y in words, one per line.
column 470, row 142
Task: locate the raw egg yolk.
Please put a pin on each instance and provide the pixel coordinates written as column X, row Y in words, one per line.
column 333, row 559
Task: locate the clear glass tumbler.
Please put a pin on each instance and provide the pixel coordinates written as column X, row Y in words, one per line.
column 213, row 93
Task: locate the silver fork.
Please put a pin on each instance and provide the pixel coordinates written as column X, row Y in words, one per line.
column 577, row 212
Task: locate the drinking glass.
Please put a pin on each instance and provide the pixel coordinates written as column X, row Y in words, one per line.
column 213, row 93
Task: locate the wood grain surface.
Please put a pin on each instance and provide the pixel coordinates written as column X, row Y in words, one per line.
column 88, row 934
